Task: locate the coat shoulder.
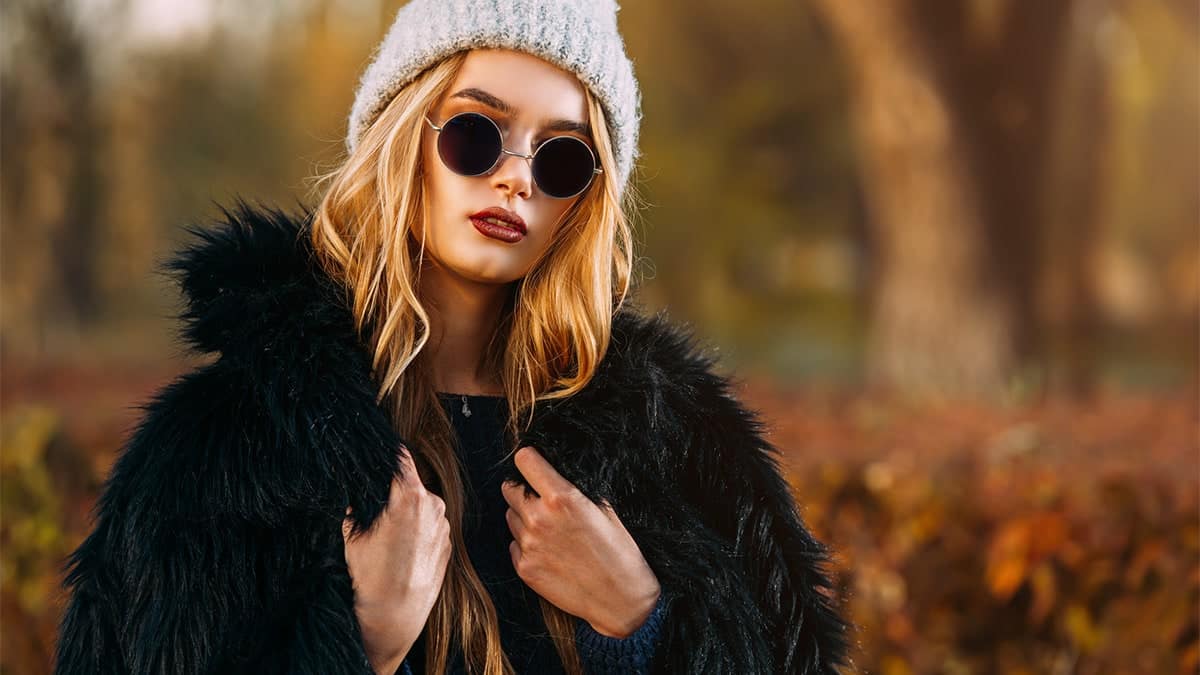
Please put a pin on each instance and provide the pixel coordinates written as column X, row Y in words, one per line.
column 675, row 371
column 251, row 278
column 667, row 380
column 646, row 338
column 666, row 358
column 285, row 417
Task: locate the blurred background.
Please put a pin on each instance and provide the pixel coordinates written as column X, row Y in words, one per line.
column 950, row 248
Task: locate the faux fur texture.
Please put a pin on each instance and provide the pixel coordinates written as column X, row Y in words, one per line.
column 217, row 543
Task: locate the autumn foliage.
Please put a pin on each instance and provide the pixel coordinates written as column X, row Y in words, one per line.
column 1051, row 538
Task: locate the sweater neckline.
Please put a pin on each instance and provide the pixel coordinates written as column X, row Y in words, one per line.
column 484, row 397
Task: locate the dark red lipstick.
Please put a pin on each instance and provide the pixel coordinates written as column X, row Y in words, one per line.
column 499, row 223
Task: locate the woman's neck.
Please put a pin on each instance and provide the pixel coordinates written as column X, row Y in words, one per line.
column 463, row 316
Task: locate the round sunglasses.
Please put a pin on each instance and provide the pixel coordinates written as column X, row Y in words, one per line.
column 471, row 144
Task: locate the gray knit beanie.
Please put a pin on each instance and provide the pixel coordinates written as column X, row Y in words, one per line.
column 579, row 36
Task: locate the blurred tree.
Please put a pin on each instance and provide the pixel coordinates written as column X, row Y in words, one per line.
column 52, row 184
column 953, row 105
column 1072, row 320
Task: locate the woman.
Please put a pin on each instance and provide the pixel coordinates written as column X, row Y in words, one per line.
column 437, row 437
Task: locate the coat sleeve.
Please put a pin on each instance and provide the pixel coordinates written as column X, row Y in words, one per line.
column 738, row 493
column 201, row 558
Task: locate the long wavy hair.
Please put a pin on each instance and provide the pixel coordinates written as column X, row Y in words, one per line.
column 553, row 332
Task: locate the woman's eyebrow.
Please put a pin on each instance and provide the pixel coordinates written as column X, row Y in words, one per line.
column 487, row 99
column 481, row 96
column 569, row 125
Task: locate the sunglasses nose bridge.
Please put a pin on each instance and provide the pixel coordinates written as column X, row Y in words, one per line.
column 516, row 154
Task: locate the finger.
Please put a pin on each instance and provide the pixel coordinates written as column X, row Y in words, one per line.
column 516, row 524
column 514, row 494
column 408, row 468
column 540, row 474
column 514, row 551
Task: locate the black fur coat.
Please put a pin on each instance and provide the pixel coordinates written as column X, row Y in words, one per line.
column 217, row 545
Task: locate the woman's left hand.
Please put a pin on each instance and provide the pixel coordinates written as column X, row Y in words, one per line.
column 575, row 554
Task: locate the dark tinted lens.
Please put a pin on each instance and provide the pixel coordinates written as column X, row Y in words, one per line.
column 563, row 166
column 469, row 144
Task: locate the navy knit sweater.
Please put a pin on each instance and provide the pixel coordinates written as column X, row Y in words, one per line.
column 522, row 629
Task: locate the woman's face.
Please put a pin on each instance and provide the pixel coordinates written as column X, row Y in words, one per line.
column 527, row 97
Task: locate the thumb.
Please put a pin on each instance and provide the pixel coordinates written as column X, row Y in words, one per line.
column 408, row 469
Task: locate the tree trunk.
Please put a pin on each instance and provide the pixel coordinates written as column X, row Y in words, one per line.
column 939, row 322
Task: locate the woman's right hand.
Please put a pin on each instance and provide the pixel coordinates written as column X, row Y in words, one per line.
column 397, row 567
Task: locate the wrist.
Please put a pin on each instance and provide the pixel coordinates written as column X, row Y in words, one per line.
column 623, row 628
column 379, row 658
column 385, row 641
column 387, row 660
column 386, row 666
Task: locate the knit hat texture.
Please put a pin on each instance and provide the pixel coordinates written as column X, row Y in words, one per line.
column 579, row 36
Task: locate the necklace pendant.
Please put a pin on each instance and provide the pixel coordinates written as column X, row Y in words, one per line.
column 466, row 410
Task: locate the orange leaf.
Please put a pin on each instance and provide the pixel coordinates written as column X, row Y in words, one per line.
column 1007, row 559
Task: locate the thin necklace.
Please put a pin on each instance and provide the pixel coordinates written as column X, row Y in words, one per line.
column 466, row 410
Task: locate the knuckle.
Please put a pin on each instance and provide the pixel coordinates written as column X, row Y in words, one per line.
column 528, row 569
column 529, row 543
column 559, row 500
column 533, row 522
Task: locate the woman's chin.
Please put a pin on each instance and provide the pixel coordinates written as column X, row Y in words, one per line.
column 489, row 274
column 491, row 266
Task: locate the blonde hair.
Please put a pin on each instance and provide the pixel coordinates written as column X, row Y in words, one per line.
column 553, row 332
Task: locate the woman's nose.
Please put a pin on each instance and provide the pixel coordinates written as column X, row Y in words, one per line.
column 514, row 174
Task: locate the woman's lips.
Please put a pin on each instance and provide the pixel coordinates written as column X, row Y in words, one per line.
column 489, row 229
